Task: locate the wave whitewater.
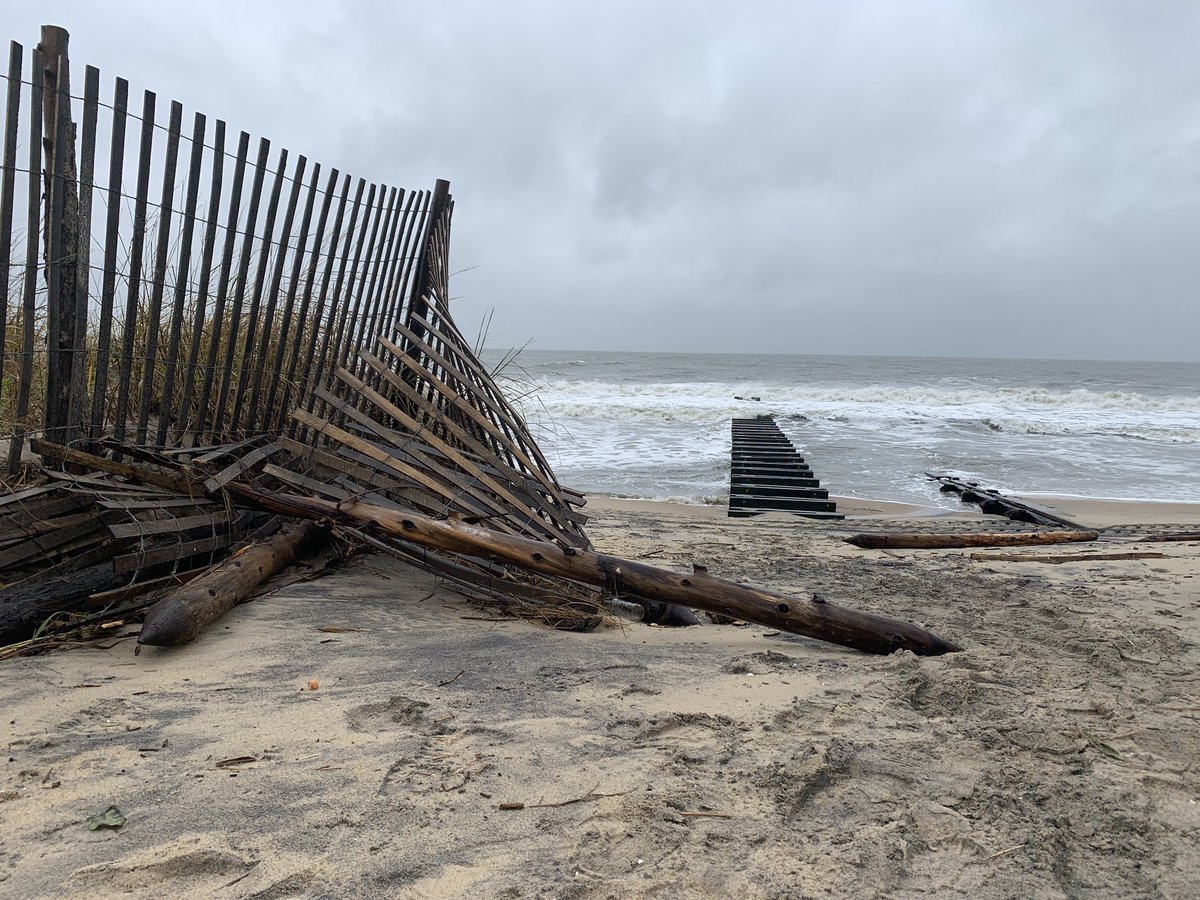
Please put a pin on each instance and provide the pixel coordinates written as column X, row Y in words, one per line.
column 1079, row 411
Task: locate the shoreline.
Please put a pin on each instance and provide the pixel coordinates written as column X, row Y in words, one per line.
column 1096, row 512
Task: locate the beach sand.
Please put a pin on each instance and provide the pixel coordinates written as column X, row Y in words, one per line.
column 1055, row 757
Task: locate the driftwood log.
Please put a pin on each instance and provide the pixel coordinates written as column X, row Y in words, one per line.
column 1065, row 557
column 24, row 606
column 813, row 617
column 918, row 541
column 1170, row 536
column 180, row 617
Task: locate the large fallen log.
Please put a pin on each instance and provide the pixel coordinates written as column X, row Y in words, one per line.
column 813, row 617
column 180, row 617
column 918, row 541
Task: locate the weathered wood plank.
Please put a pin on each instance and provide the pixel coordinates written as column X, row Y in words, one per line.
column 125, row 377
column 33, row 227
column 169, row 526
column 145, row 559
column 178, row 483
column 239, row 467
column 112, row 241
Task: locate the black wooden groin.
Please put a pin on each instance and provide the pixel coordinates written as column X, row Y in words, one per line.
column 993, row 503
column 768, row 475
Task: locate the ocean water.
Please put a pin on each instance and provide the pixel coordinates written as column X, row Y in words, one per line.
column 656, row 425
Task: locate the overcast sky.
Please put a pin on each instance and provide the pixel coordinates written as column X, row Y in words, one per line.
column 927, row 178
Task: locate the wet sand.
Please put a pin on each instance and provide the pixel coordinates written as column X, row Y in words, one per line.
column 1055, row 757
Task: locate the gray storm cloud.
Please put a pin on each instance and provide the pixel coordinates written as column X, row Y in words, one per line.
column 999, row 178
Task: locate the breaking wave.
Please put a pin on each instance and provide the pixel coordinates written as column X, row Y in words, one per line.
column 1018, row 410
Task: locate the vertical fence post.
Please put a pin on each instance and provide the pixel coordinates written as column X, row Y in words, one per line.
column 62, row 228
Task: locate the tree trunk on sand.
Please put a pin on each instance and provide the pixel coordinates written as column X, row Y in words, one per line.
column 917, row 541
column 26, row 605
column 813, row 617
column 180, row 617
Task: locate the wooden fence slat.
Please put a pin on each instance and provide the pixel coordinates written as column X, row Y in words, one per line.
column 211, row 424
column 166, row 209
column 229, row 352
column 364, row 326
column 303, row 321
column 438, row 488
column 535, row 491
column 32, row 242
column 136, row 250
column 444, row 480
column 469, row 467
column 535, row 461
column 418, row 305
column 112, row 236
column 415, row 217
column 354, row 295
column 268, row 327
column 272, row 413
column 189, row 502
column 360, row 473
column 335, row 303
column 144, row 559
column 8, row 179
column 260, row 280
column 240, row 466
column 67, row 529
column 455, row 349
column 182, row 270
column 410, row 255
column 354, row 300
column 341, row 308
column 168, row 526
column 212, row 215
column 77, row 422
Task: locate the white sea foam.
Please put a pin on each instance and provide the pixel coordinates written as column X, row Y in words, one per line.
column 1014, row 410
column 657, row 425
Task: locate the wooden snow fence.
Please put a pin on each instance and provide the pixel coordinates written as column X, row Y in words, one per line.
column 259, row 344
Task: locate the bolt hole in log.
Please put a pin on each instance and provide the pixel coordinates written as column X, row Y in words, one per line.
column 685, row 582
column 784, row 608
column 538, row 557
